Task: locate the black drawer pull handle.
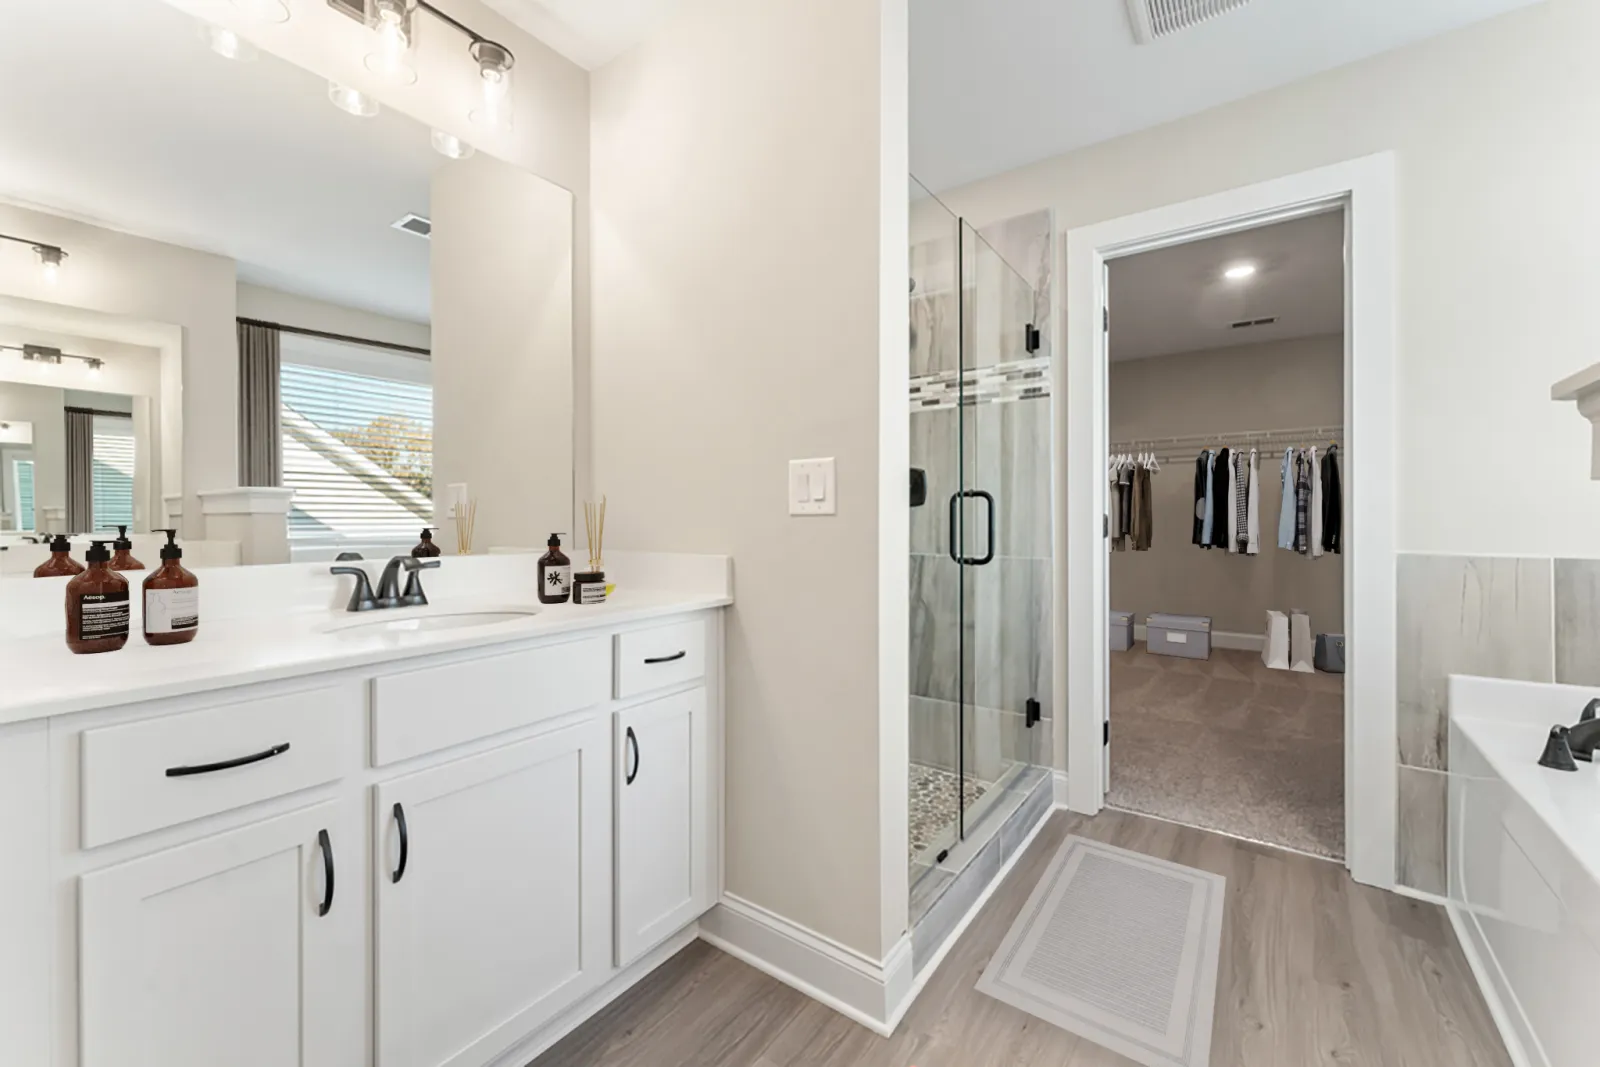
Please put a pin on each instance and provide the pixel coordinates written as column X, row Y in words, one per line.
column 227, row 764
column 405, row 844
column 666, row 659
column 327, row 872
column 633, row 743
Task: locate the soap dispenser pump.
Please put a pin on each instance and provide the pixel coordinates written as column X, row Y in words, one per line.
column 171, row 598
column 426, row 549
column 97, row 605
column 555, row 574
column 60, row 564
column 123, row 559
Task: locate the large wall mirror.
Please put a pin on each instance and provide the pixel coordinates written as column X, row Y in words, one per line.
column 222, row 270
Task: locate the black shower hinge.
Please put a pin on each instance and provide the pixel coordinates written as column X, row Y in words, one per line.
column 1031, row 713
column 1030, row 339
column 1107, row 733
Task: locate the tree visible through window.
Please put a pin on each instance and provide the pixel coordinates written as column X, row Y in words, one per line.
column 358, row 452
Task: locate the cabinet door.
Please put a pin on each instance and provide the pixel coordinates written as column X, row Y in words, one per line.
column 663, row 803
column 494, row 903
column 220, row 951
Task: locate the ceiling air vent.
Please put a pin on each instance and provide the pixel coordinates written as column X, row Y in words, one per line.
column 1245, row 324
column 414, row 224
column 1154, row 19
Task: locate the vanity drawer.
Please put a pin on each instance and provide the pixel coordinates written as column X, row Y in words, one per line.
column 422, row 711
column 660, row 656
column 160, row 772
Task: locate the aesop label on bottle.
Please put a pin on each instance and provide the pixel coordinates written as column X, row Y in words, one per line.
column 103, row 615
column 168, row 611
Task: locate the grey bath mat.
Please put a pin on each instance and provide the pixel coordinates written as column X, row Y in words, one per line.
column 1119, row 948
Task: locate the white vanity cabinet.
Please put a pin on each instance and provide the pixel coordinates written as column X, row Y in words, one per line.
column 493, row 896
column 242, row 948
column 434, row 861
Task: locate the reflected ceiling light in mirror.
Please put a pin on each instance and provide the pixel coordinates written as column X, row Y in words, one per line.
column 494, row 72
column 395, row 30
column 264, row 10
column 227, row 44
column 94, row 367
column 451, row 146
column 352, row 102
column 1239, row 272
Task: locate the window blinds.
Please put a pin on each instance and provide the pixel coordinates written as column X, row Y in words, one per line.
column 358, row 453
column 111, row 483
column 22, row 472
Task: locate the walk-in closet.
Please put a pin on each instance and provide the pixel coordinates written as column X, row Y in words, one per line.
column 1225, row 534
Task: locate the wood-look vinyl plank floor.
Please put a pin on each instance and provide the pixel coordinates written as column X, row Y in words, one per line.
column 1315, row 970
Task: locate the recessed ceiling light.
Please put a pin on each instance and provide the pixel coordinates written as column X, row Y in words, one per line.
column 226, row 43
column 1239, row 272
column 351, row 101
column 448, row 144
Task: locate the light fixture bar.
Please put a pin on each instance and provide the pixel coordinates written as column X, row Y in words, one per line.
column 53, row 356
column 49, row 254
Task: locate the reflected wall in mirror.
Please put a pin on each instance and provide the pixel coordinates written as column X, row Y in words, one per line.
column 280, row 352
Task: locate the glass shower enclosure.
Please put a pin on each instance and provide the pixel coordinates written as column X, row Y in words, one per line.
column 980, row 542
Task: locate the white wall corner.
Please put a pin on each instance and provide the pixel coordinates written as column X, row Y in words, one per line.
column 245, row 500
column 862, row 989
column 1583, row 388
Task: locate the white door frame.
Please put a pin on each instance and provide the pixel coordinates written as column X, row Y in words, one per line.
column 1365, row 189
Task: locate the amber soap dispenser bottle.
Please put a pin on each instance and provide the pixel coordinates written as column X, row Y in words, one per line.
column 555, row 574
column 122, row 553
column 426, row 549
column 97, row 605
column 60, row 564
column 171, row 598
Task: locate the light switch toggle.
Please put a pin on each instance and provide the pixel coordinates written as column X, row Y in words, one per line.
column 813, row 489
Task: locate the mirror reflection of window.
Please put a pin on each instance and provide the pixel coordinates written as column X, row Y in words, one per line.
column 22, row 494
column 112, row 484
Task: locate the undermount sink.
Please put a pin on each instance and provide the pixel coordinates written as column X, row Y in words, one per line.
column 427, row 623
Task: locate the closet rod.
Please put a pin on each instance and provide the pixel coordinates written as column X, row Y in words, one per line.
column 1308, row 434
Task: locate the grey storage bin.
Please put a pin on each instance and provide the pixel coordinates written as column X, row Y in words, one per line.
column 1121, row 631
column 1188, row 636
column 1329, row 656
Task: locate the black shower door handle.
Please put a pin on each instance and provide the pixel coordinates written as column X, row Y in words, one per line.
column 955, row 525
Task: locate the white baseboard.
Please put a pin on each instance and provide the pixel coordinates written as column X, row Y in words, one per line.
column 854, row 985
column 1060, row 778
column 1219, row 639
column 1502, row 1013
column 525, row 1052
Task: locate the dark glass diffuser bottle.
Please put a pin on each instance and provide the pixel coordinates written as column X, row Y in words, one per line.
column 122, row 553
column 426, row 549
column 171, row 598
column 97, row 605
column 555, row 574
column 60, row 564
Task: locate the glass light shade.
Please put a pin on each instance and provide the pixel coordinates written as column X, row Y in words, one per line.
column 351, row 101
column 227, row 44
column 264, row 10
column 94, row 368
column 395, row 33
column 49, row 261
column 494, row 70
column 448, row 144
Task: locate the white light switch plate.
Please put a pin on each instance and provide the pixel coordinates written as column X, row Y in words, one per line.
column 813, row 489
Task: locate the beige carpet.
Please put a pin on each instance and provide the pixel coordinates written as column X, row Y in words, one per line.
column 1226, row 744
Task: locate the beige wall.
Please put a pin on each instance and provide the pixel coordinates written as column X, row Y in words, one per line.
column 1497, row 275
column 740, row 220
column 1277, row 385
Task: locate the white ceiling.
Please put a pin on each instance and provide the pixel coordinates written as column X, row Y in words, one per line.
column 591, row 33
column 114, row 111
column 996, row 84
column 1177, row 299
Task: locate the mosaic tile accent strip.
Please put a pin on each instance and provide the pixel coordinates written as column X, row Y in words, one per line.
column 999, row 383
column 934, row 799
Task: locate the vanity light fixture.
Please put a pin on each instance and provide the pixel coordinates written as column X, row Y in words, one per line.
column 395, row 28
column 226, row 43
column 494, row 71
column 50, row 256
column 51, row 356
column 351, row 101
column 1239, row 272
column 94, row 367
column 451, row 146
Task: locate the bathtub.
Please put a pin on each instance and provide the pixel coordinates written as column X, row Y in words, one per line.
column 1524, row 867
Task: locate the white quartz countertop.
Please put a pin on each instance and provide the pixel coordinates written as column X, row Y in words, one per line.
column 1567, row 802
column 40, row 677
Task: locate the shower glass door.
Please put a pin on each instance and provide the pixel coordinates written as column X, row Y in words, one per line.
column 979, row 563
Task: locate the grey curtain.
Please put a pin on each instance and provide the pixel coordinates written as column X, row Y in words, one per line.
column 260, row 443
column 80, row 471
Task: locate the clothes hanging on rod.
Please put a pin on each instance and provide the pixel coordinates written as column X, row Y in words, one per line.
column 1220, row 477
column 1239, row 543
column 1202, row 480
column 1252, row 522
column 1332, row 503
column 1286, row 505
column 1314, row 542
column 1302, row 504
column 1131, row 504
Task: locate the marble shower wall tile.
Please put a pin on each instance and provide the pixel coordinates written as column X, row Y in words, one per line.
column 1420, row 843
column 934, row 449
column 935, row 634
column 934, row 341
column 1577, row 583
column 1027, row 244
column 1011, row 460
column 1009, row 608
column 1465, row 615
column 933, row 733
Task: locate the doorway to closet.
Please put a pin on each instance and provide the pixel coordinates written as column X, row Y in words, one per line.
column 1224, row 549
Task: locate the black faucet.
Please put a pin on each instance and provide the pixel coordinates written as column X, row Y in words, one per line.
column 1585, row 737
column 389, row 594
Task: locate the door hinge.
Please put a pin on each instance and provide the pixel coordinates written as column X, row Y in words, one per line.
column 1030, row 338
column 1106, row 734
column 1031, row 713
column 1105, row 526
column 1105, row 317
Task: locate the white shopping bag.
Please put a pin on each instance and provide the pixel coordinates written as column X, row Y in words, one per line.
column 1302, row 646
column 1275, row 650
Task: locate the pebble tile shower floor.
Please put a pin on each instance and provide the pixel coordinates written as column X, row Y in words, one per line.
column 934, row 799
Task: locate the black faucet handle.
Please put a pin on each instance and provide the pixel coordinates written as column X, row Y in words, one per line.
column 361, row 598
column 414, row 595
column 1589, row 710
column 1558, row 754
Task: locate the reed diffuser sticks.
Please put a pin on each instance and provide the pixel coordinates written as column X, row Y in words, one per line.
column 594, row 521
column 466, row 519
